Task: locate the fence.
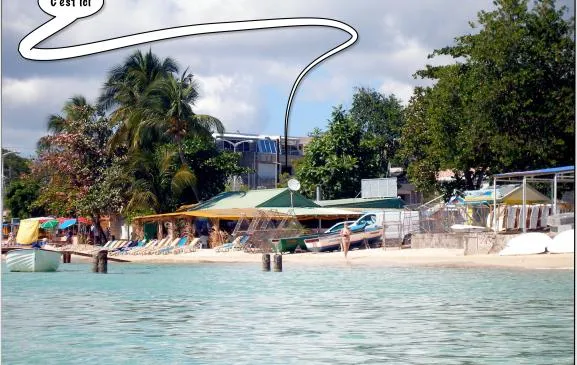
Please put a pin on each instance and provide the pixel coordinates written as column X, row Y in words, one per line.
column 440, row 218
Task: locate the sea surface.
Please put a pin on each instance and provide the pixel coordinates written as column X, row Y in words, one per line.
column 236, row 314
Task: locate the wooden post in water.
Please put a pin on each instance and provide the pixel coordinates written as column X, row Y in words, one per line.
column 277, row 267
column 100, row 264
column 265, row 262
column 66, row 257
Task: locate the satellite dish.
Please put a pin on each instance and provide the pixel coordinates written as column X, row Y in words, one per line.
column 294, row 185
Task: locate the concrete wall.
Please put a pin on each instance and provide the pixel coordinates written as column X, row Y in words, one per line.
column 481, row 243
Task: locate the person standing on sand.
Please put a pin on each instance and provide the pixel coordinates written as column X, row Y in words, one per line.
column 345, row 239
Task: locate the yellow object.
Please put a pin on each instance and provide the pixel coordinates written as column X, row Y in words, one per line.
column 28, row 231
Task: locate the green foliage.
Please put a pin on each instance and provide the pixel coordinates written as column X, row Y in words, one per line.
column 334, row 159
column 211, row 166
column 21, row 195
column 507, row 103
column 381, row 119
column 358, row 144
column 13, row 166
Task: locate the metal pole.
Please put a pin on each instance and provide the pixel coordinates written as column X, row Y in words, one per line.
column 495, row 204
column 524, row 207
column 277, row 165
column 555, row 194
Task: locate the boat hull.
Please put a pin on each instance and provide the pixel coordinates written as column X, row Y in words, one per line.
column 290, row 244
column 32, row 260
column 332, row 242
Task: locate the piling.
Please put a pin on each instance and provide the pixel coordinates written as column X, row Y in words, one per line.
column 100, row 264
column 265, row 262
column 66, row 257
column 277, row 267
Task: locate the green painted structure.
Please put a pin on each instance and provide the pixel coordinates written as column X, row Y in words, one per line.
column 361, row 203
column 265, row 198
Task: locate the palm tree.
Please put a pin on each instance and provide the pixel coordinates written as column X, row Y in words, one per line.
column 125, row 92
column 75, row 110
column 170, row 111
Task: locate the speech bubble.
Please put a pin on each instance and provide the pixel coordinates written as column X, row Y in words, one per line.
column 71, row 8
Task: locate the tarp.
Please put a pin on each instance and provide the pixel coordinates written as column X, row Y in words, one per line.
column 237, row 213
column 28, row 231
column 67, row 223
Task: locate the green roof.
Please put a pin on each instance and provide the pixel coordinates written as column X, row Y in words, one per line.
column 370, row 203
column 264, row 198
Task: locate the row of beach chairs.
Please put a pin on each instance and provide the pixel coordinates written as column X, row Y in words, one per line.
column 151, row 247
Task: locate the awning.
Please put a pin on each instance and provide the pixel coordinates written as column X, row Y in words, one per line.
column 237, row 213
column 231, row 214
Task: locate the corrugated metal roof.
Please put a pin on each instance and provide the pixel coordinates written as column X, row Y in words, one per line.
column 316, row 213
column 363, row 203
column 549, row 171
column 271, row 198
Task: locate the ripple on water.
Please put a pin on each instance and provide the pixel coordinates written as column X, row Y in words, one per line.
column 217, row 314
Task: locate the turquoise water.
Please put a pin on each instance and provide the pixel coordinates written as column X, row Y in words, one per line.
column 236, row 314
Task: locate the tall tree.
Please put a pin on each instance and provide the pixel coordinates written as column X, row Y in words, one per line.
column 125, row 94
column 334, row 159
column 381, row 119
column 506, row 103
column 74, row 163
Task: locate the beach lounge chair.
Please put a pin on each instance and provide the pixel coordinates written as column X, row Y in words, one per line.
column 159, row 244
column 169, row 246
column 123, row 247
column 148, row 245
column 180, row 243
column 126, row 249
column 237, row 244
column 190, row 247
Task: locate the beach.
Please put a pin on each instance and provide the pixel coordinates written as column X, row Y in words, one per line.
column 372, row 257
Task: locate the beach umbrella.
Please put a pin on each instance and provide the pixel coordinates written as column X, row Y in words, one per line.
column 84, row 220
column 51, row 224
column 67, row 223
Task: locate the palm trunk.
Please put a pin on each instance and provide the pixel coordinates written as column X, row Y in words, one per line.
column 183, row 162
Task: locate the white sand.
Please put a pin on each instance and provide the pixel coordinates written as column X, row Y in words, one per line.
column 373, row 257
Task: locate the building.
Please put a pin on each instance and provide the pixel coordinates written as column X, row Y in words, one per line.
column 263, row 154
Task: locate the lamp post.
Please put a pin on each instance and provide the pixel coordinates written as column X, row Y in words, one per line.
column 234, row 146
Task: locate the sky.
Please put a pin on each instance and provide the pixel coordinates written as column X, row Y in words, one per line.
column 245, row 77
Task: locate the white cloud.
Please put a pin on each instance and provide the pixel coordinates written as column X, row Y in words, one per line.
column 232, row 99
column 402, row 91
column 236, row 69
column 52, row 91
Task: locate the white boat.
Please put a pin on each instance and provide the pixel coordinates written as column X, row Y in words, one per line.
column 332, row 242
column 32, row 260
column 527, row 244
column 564, row 242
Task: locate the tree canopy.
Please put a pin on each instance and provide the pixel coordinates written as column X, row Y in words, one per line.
column 358, row 144
column 507, row 102
column 139, row 150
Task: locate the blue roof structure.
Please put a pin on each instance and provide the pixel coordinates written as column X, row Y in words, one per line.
column 549, row 171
